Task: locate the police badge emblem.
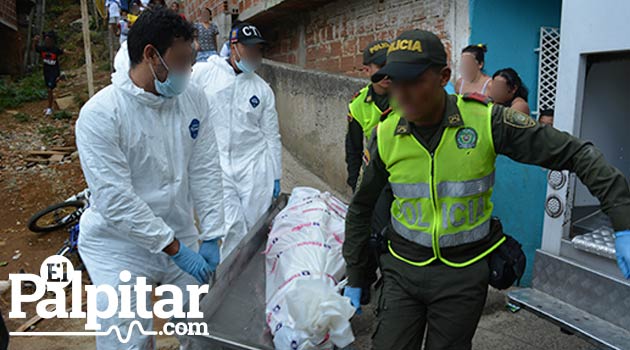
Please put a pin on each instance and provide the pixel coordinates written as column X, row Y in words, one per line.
column 466, row 138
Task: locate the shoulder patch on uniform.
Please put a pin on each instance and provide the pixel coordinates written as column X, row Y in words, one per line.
column 517, row 119
column 350, row 117
column 475, row 96
column 356, row 94
column 386, row 113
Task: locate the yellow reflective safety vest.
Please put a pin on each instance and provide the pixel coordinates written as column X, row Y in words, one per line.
column 366, row 113
column 442, row 200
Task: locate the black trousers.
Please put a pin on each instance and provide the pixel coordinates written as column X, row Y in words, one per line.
column 4, row 335
column 446, row 302
column 380, row 220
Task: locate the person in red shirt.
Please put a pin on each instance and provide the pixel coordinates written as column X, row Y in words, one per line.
column 175, row 7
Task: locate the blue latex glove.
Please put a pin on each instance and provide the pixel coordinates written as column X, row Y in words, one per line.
column 355, row 297
column 276, row 188
column 622, row 247
column 192, row 263
column 210, row 252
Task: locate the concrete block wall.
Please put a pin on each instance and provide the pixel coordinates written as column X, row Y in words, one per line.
column 8, row 15
column 312, row 108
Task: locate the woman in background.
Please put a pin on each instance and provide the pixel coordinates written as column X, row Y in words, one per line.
column 473, row 78
column 206, row 36
column 508, row 90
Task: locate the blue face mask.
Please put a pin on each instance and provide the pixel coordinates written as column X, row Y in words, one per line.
column 244, row 65
column 174, row 84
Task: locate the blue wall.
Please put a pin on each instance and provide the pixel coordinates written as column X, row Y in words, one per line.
column 511, row 30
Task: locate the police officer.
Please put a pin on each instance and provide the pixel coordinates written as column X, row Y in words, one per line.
column 439, row 157
column 365, row 111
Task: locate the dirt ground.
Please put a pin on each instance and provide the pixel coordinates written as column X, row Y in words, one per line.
column 26, row 188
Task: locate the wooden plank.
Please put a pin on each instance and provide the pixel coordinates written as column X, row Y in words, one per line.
column 36, row 160
column 56, row 158
column 47, row 153
column 63, row 148
column 35, row 319
column 85, row 21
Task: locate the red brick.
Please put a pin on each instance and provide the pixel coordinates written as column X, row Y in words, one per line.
column 336, row 33
column 365, row 40
column 335, row 49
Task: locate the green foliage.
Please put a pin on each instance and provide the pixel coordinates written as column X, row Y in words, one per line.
column 61, row 115
column 79, row 100
column 48, row 132
column 22, row 117
column 29, row 88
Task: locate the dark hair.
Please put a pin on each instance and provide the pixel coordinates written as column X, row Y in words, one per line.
column 478, row 51
column 209, row 11
column 547, row 112
column 51, row 34
column 157, row 3
column 513, row 81
column 158, row 27
column 437, row 68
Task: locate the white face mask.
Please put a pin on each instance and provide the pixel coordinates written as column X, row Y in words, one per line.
column 246, row 66
column 175, row 82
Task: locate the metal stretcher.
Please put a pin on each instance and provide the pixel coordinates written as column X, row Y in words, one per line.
column 234, row 308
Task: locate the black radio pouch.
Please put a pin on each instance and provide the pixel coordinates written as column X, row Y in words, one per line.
column 507, row 262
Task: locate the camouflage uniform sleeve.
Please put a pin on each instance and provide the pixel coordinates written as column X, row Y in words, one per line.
column 519, row 137
column 372, row 180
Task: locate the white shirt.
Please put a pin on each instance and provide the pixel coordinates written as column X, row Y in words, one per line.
column 113, row 6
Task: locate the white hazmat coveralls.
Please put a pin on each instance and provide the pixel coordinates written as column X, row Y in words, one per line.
column 149, row 162
column 246, row 125
column 121, row 60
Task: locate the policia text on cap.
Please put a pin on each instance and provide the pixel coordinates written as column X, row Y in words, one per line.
column 438, row 154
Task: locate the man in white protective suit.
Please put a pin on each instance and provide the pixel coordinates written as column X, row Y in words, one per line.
column 149, row 155
column 246, row 125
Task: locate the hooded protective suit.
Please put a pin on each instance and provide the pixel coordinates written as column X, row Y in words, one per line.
column 246, row 125
column 149, row 162
column 121, row 60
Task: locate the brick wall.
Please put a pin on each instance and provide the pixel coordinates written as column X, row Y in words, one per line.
column 335, row 34
column 8, row 16
column 331, row 37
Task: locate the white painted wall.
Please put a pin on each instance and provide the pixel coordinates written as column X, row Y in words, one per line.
column 587, row 27
column 458, row 29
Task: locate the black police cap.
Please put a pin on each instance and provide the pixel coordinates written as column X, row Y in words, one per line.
column 376, row 52
column 246, row 34
column 410, row 54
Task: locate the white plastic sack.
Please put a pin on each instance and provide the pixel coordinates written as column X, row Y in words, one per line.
column 304, row 264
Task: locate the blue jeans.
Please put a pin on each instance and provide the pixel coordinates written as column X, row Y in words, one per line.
column 202, row 56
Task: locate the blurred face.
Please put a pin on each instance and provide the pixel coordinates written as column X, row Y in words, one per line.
column 469, row 66
column 420, row 98
column 500, row 91
column 249, row 53
column 175, row 7
column 178, row 59
column 205, row 16
column 371, row 69
column 49, row 42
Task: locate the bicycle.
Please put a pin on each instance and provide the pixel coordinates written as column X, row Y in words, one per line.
column 62, row 215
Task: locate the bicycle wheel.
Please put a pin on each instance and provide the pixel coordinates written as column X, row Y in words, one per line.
column 56, row 216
